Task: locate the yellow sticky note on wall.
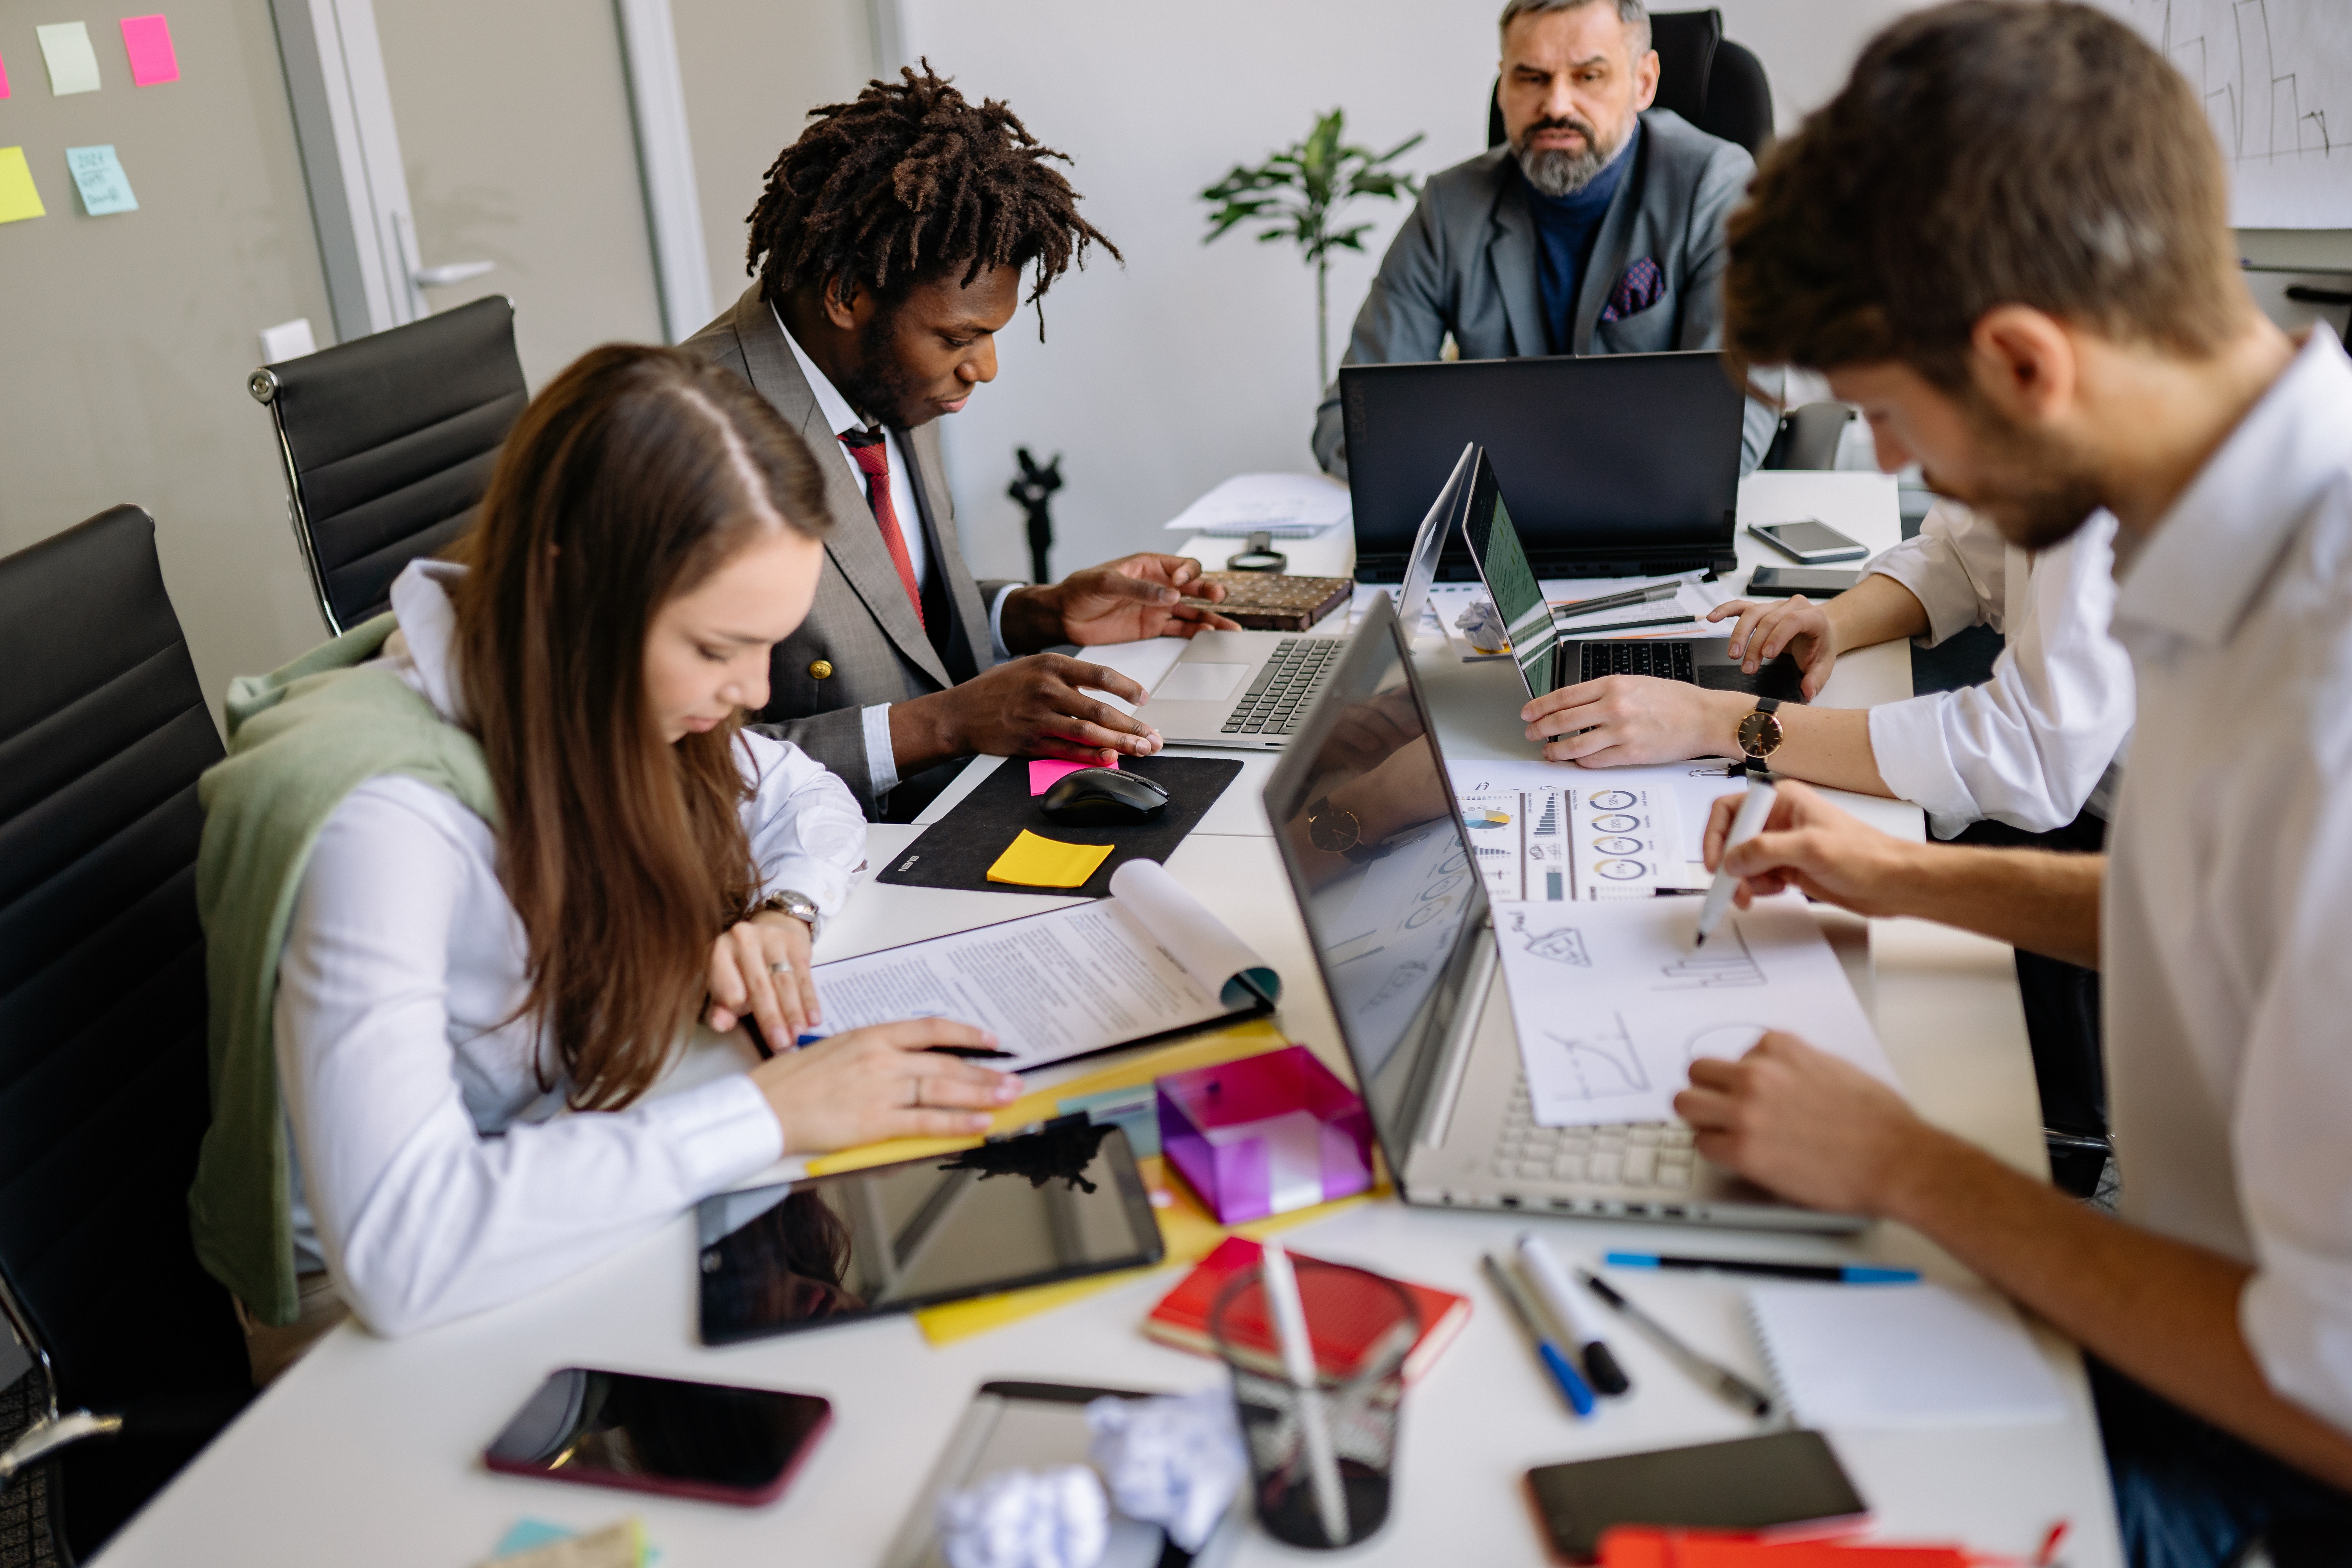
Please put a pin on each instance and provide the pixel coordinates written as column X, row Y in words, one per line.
column 1034, row 862
column 18, row 198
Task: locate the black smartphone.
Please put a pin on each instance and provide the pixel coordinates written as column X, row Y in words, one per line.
column 661, row 1434
column 1812, row 582
column 1809, row 540
column 1778, row 1480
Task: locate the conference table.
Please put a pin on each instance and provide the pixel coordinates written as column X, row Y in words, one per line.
column 368, row 1451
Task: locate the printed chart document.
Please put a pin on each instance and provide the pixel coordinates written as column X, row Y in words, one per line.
column 1548, row 833
column 1149, row 959
column 1679, row 794
column 1613, row 1004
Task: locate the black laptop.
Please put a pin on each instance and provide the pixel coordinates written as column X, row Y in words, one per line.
column 1548, row 661
column 1620, row 465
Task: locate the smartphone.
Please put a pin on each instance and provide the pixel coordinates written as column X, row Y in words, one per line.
column 661, row 1434
column 1812, row 582
column 1783, row 1483
column 1809, row 540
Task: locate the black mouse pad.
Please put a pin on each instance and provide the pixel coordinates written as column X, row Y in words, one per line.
column 956, row 851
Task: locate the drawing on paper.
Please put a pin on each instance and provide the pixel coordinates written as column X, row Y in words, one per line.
column 1720, row 965
column 1601, row 1060
column 1724, row 1042
column 1563, row 944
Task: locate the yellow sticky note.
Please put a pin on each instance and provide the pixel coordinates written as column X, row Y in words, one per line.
column 1035, row 862
column 18, row 196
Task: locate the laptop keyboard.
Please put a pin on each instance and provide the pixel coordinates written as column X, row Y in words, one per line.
column 1656, row 1154
column 1668, row 661
column 1277, row 700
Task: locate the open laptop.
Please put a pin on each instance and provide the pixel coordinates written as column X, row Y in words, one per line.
column 1548, row 662
column 1252, row 690
column 1382, row 868
column 1623, row 464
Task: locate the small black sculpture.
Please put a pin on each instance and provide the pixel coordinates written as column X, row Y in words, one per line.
column 1035, row 490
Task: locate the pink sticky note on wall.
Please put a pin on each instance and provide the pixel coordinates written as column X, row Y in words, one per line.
column 3, row 78
column 149, row 41
column 1045, row 772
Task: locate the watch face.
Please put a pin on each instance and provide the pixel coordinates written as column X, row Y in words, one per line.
column 1334, row 830
column 1760, row 734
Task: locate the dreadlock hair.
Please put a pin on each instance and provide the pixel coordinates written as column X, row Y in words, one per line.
column 909, row 180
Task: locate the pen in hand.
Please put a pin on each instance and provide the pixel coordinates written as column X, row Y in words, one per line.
column 1745, row 824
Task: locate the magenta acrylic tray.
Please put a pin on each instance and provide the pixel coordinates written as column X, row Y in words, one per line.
column 1265, row 1135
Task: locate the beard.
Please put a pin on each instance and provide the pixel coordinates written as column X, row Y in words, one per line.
column 880, row 387
column 1554, row 170
column 2033, row 488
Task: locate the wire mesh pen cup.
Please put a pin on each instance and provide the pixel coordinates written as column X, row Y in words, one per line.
column 1363, row 1327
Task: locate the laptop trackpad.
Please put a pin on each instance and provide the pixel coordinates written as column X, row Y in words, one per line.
column 1200, row 681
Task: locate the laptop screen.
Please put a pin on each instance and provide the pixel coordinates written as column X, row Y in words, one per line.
column 1510, row 580
column 1381, row 866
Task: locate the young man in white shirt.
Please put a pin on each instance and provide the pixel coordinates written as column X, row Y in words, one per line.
column 2007, row 241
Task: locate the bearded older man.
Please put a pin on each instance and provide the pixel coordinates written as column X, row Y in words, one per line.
column 1597, row 226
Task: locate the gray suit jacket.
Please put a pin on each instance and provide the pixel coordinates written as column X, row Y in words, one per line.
column 1464, row 263
column 862, row 625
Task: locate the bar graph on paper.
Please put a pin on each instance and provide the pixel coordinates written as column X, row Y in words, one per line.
column 1592, row 836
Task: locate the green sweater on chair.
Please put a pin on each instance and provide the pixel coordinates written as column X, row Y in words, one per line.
column 300, row 741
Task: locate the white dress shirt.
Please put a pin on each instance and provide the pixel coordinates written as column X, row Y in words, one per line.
column 881, row 760
column 2228, row 888
column 433, row 1174
column 2034, row 744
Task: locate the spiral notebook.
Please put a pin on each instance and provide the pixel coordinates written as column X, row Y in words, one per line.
column 1876, row 1357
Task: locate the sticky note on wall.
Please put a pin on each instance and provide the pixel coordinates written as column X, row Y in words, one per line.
column 18, row 199
column 98, row 175
column 73, row 64
column 148, row 41
column 3, row 78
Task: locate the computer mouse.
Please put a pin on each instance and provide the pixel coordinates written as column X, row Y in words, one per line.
column 1103, row 797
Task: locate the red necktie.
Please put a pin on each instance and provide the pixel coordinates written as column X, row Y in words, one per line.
column 873, row 459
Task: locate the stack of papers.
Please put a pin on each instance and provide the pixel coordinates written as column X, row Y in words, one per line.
column 1288, row 505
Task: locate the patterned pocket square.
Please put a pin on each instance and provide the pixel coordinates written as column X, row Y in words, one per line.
column 1642, row 286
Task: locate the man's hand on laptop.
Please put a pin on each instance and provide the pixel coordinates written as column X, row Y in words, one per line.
column 1034, row 707
column 1619, row 721
column 1808, row 1126
column 1795, row 625
column 1127, row 600
column 1811, row 846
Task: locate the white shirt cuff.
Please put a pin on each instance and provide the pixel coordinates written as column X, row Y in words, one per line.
column 718, row 1133
column 1914, row 758
column 996, row 622
column 881, row 760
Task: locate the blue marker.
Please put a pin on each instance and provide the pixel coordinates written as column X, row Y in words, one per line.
column 1563, row 1370
column 1829, row 1273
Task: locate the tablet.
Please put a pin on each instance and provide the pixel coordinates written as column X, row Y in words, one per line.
column 1056, row 1203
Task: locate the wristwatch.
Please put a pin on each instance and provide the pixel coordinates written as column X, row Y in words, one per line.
column 1338, row 830
column 800, row 906
column 1759, row 732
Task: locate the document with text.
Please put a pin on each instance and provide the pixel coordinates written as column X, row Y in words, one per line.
column 1149, row 959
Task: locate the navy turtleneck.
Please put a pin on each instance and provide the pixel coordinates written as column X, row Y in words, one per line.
column 1567, row 228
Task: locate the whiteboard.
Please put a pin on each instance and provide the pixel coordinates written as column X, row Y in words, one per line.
column 2276, row 80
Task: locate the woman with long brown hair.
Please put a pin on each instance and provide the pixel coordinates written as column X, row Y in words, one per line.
column 479, row 982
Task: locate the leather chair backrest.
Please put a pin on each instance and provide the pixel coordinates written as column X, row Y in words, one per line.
column 1809, row 437
column 1714, row 83
column 389, row 441
column 103, row 1094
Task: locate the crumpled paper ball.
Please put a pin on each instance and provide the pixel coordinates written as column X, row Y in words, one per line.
column 1026, row 1519
column 1174, row 1461
column 1480, row 626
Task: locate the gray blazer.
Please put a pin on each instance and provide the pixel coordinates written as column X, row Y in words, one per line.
column 1464, row 263
column 861, row 625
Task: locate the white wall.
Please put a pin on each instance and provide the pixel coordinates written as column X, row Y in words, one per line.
column 1189, row 364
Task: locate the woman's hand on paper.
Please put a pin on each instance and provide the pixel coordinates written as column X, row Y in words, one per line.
column 1814, row 1128
column 1811, row 846
column 883, row 1081
column 1794, row 626
column 760, row 967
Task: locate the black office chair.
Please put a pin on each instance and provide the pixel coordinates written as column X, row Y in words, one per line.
column 103, row 1094
column 1714, row 83
column 389, row 442
column 1809, row 437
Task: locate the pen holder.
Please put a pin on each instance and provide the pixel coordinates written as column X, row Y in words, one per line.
column 1265, row 1135
column 1363, row 1327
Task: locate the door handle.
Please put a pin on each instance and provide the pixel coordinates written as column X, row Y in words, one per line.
column 455, row 272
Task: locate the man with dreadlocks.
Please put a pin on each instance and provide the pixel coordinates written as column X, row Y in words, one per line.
column 888, row 251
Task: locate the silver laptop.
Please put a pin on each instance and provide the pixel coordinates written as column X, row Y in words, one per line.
column 1252, row 690
column 1381, row 867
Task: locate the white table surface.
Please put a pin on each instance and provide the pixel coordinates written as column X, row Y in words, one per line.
column 366, row 1452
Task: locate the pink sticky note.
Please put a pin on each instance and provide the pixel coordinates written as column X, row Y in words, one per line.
column 1045, row 772
column 153, row 59
column 3, row 78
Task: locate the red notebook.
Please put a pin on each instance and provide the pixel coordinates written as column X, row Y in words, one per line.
column 1181, row 1319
